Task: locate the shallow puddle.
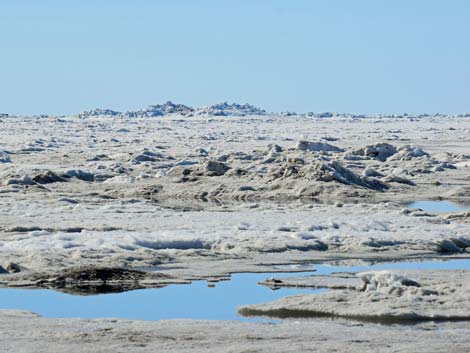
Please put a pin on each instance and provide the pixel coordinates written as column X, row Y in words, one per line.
column 439, row 206
column 194, row 301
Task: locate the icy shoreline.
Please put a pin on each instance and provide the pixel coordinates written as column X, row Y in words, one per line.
column 25, row 332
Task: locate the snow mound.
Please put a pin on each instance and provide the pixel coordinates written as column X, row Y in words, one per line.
column 147, row 156
column 79, row 174
column 17, row 178
column 380, row 280
column 380, row 151
column 215, row 168
column 317, row 147
column 407, row 153
column 334, row 171
column 4, row 157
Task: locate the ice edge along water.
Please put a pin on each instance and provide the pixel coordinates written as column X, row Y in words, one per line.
column 193, row 301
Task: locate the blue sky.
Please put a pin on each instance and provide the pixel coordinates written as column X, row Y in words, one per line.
column 363, row 56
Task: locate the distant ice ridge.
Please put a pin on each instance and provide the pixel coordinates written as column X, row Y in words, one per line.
column 170, row 108
column 161, row 110
column 226, row 109
column 99, row 112
column 236, row 109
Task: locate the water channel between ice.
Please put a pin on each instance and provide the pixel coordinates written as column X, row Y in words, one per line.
column 192, row 301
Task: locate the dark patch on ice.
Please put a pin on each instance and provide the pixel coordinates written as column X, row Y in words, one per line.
column 90, row 280
column 26, row 229
column 48, row 177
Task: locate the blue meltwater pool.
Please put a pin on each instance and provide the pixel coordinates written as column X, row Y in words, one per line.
column 191, row 301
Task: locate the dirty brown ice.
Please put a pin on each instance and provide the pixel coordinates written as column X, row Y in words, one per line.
column 88, row 202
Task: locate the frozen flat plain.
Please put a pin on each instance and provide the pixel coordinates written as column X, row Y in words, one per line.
column 201, row 197
column 24, row 332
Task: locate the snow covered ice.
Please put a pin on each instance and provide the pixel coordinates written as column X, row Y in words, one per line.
column 200, row 193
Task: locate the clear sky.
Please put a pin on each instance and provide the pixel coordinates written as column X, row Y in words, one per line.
column 361, row 56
